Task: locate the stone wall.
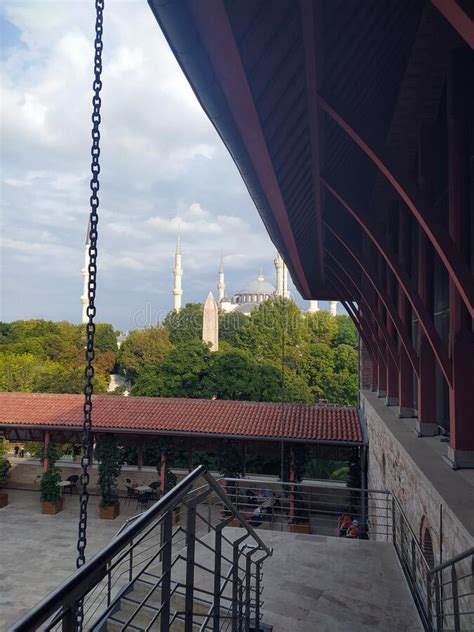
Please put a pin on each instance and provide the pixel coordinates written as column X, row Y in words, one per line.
column 391, row 467
column 26, row 474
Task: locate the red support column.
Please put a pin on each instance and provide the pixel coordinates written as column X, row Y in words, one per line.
column 292, row 480
column 405, row 375
column 162, row 473
column 45, row 451
column 426, row 424
column 461, row 395
column 140, row 456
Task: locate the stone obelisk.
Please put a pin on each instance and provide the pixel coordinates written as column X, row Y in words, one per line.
column 210, row 323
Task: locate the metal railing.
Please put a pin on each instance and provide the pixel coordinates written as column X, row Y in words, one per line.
column 451, row 594
column 444, row 596
column 312, row 508
column 173, row 565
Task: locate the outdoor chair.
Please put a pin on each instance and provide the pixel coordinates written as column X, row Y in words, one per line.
column 143, row 500
column 74, row 479
column 155, row 485
column 132, row 494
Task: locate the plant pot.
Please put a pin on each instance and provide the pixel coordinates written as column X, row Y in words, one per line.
column 176, row 516
column 302, row 527
column 234, row 523
column 51, row 507
column 3, row 499
column 110, row 512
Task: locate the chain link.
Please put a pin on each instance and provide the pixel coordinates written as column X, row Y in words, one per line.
column 91, row 309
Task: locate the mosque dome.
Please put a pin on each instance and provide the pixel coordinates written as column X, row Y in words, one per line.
column 258, row 286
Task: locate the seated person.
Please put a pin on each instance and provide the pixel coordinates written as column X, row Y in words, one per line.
column 257, row 517
column 353, row 531
column 343, row 525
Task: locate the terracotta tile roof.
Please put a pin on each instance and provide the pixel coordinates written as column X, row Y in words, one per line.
column 191, row 416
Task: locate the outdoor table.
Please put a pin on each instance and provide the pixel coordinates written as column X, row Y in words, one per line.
column 64, row 485
column 141, row 489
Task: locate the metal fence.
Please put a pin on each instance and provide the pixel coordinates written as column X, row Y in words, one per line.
column 170, row 568
column 444, row 596
column 451, row 594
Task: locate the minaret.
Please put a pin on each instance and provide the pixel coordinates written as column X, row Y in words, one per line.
column 286, row 291
column 221, row 284
column 333, row 307
column 85, row 280
column 313, row 307
column 178, row 273
column 279, row 274
column 210, row 323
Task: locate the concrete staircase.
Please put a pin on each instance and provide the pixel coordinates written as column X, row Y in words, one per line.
column 133, row 597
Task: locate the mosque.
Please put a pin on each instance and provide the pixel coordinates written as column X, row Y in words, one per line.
column 250, row 296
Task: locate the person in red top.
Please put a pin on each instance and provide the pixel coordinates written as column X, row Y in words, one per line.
column 343, row 525
column 353, row 531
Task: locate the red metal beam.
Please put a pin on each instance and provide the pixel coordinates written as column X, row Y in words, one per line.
column 309, row 16
column 356, row 256
column 442, row 243
column 423, row 316
column 458, row 19
column 360, row 297
column 213, row 25
column 367, row 335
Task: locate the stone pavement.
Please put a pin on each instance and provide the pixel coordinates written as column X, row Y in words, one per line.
column 312, row 583
column 37, row 552
column 328, row 584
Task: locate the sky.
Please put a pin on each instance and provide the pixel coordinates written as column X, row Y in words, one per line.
column 162, row 165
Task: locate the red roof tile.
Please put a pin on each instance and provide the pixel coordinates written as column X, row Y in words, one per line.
column 191, row 416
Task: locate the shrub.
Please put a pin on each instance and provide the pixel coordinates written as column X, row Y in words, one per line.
column 110, row 458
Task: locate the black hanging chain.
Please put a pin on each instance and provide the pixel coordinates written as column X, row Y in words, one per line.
column 91, row 309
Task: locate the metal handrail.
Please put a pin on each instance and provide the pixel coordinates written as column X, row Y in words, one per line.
column 223, row 496
column 77, row 584
column 452, row 561
column 62, row 600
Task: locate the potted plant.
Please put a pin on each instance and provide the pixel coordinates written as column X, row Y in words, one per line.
column 110, row 458
column 50, row 492
column 4, row 470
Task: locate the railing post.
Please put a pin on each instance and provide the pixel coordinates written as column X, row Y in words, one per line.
column 235, row 586
column 190, row 551
column 167, row 544
column 241, row 603
column 109, row 585
column 454, row 581
column 439, row 618
column 257, row 595
column 69, row 620
column 248, row 595
column 217, row 579
column 429, row 600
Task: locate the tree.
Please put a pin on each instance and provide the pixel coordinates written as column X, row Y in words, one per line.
column 346, row 332
column 275, row 331
column 179, row 375
column 229, row 326
column 144, row 348
column 185, row 325
column 319, row 369
column 345, row 358
column 322, row 325
column 105, row 338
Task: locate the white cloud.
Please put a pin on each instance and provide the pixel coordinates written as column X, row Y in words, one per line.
column 162, row 164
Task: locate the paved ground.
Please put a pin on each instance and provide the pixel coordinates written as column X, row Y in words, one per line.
column 37, row 552
column 312, row 583
column 327, row 584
